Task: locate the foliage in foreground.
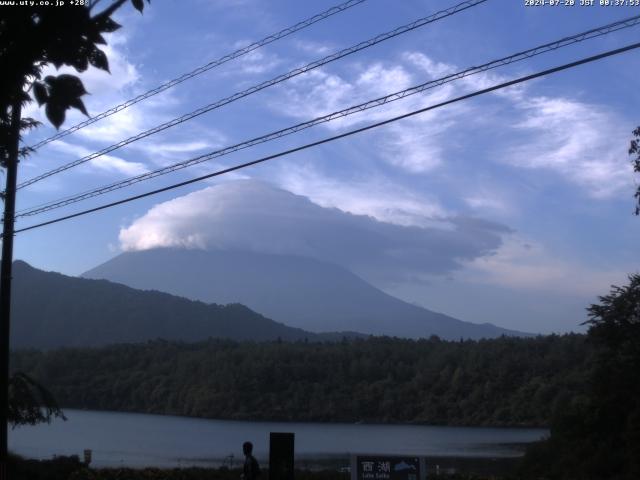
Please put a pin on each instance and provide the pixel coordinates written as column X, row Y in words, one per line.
column 29, row 402
column 61, row 468
column 506, row 381
column 598, row 437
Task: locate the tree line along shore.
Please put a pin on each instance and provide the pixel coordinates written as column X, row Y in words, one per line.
column 499, row 382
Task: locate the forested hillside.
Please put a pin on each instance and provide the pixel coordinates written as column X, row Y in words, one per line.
column 51, row 310
column 505, row 381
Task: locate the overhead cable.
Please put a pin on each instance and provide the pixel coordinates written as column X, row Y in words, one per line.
column 510, row 83
column 516, row 57
column 204, row 68
column 256, row 88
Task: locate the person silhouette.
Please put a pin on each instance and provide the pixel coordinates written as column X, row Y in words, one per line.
column 251, row 469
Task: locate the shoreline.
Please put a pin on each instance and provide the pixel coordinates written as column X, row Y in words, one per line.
column 318, row 422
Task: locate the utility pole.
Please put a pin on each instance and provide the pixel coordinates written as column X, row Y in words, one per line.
column 5, row 280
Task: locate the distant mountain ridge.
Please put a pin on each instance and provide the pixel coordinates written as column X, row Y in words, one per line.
column 51, row 310
column 298, row 291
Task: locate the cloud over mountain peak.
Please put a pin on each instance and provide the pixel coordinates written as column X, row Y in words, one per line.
column 258, row 217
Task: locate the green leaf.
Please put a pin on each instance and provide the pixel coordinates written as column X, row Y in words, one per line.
column 98, row 59
column 80, row 63
column 106, row 25
column 64, row 92
column 78, row 104
column 138, row 5
column 98, row 39
column 66, row 86
column 55, row 113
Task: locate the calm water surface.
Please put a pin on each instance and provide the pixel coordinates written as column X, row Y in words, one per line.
column 138, row 440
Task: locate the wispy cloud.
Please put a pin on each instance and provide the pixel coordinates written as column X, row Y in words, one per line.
column 584, row 143
column 107, row 90
column 168, row 152
column 414, row 146
column 372, row 195
column 523, row 264
column 484, row 200
column 108, row 163
column 315, row 48
column 431, row 67
column 256, row 62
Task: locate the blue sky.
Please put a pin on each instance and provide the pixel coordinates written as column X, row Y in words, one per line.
column 514, row 208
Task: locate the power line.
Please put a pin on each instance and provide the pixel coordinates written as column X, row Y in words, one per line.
column 342, row 135
column 552, row 46
column 256, row 88
column 204, row 68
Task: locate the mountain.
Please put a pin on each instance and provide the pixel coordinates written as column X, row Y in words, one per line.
column 51, row 310
column 300, row 292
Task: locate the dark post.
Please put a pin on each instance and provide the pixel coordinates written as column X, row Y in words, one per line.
column 281, row 456
column 5, row 281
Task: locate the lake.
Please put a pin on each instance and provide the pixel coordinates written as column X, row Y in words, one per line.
column 137, row 440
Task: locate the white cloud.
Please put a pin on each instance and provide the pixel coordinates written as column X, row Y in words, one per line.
column 414, row 145
column 414, row 148
column 522, row 264
column 370, row 195
column 107, row 163
column 114, row 128
column 484, row 200
column 255, row 216
column 379, row 80
column 315, row 48
column 319, row 93
column 123, row 74
column 106, row 90
column 185, row 147
column 130, row 121
column 433, row 68
column 314, row 94
column 485, row 195
column 584, row 143
column 168, row 152
column 255, row 62
column 114, row 164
